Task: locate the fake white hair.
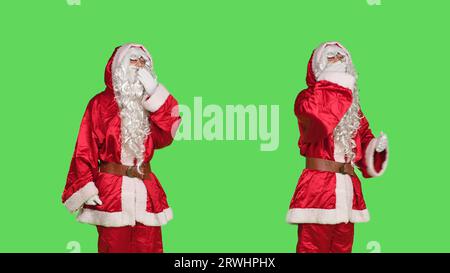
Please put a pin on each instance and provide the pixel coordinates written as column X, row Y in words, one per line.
column 129, row 92
column 346, row 130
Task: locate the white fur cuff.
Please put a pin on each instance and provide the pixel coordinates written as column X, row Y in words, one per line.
column 370, row 160
column 157, row 99
column 77, row 199
column 343, row 79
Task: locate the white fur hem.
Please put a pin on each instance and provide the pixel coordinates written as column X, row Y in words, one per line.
column 134, row 196
column 78, row 198
column 156, row 100
column 134, row 208
column 123, row 218
column 343, row 79
column 343, row 211
column 325, row 216
column 369, row 157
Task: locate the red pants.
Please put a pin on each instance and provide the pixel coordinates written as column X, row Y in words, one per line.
column 325, row 238
column 129, row 239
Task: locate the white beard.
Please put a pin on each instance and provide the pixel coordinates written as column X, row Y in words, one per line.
column 135, row 125
column 347, row 128
column 336, row 67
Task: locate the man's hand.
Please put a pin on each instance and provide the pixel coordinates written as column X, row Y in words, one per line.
column 382, row 142
column 94, row 201
column 147, row 81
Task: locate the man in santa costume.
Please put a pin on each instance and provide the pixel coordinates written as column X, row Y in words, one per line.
column 110, row 181
column 334, row 137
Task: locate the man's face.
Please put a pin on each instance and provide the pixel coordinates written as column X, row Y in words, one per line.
column 335, row 58
column 137, row 62
column 137, row 57
column 334, row 54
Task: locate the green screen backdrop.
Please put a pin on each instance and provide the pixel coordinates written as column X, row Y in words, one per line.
column 227, row 195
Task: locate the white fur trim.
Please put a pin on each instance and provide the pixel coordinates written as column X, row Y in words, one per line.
column 134, row 203
column 343, row 79
column 324, row 216
column 142, row 216
column 360, row 216
column 369, row 157
column 344, row 187
column 78, row 198
column 120, row 219
column 318, row 216
column 156, row 100
column 344, row 197
column 339, row 153
column 343, row 213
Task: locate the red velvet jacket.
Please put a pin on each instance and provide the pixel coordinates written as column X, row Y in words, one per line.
column 125, row 200
column 327, row 197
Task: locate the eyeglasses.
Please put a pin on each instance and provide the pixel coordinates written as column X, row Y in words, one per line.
column 140, row 62
column 335, row 56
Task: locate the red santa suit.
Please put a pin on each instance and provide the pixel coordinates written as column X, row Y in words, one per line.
column 326, row 204
column 132, row 209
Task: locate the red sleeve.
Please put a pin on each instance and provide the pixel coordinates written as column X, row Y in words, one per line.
column 372, row 163
column 320, row 109
column 84, row 165
column 164, row 117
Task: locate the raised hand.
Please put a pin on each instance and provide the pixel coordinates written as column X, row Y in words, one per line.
column 147, row 80
column 382, row 143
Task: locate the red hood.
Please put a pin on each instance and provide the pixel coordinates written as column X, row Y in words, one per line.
column 115, row 59
column 310, row 77
column 108, row 73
